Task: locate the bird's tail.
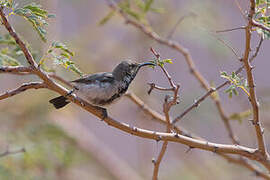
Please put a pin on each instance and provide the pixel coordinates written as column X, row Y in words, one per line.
column 59, row 102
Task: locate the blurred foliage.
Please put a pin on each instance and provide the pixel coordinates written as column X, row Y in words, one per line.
column 262, row 16
column 61, row 55
column 136, row 9
column 49, row 153
column 36, row 16
column 240, row 116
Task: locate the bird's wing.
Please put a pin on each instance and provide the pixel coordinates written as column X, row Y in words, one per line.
column 101, row 77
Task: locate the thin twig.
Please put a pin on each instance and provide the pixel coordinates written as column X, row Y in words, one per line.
column 196, row 104
column 257, row 50
column 22, row 70
column 157, row 117
column 22, row 88
column 240, row 9
column 158, row 161
column 9, row 152
column 259, row 25
column 154, row 86
column 166, row 109
column 229, row 30
column 228, row 46
column 180, row 20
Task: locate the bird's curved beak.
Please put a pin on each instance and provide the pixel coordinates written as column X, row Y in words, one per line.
column 146, row 64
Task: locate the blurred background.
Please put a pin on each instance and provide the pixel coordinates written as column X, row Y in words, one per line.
column 72, row 144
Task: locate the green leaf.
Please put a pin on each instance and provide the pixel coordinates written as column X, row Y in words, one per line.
column 36, row 9
column 107, row 18
column 140, row 4
column 235, row 92
column 36, row 16
column 240, row 116
column 7, row 40
column 6, row 60
column 167, row 61
column 224, row 73
column 233, row 75
column 148, row 4
column 63, row 47
column 7, row 3
column 230, row 94
column 51, row 16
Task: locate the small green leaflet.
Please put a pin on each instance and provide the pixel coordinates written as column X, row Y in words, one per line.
column 7, row 3
column 36, row 16
column 161, row 63
column 263, row 17
column 61, row 55
column 236, row 82
column 6, row 60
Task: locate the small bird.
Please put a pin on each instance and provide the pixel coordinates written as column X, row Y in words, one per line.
column 102, row 89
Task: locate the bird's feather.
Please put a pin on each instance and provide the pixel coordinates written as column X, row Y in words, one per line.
column 101, row 77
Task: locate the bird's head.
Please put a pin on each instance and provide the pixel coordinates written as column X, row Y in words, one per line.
column 128, row 69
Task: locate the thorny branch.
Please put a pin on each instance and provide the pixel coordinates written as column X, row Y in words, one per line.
column 214, row 147
column 250, row 153
column 166, row 109
column 250, row 78
column 178, row 47
column 22, row 88
column 159, row 118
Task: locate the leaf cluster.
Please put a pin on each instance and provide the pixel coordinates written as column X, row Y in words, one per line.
column 136, row 9
column 262, row 16
column 7, row 3
column 10, row 52
column 160, row 62
column 37, row 16
column 236, row 82
column 61, row 55
column 240, row 116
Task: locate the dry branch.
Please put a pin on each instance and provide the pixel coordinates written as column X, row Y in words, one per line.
column 250, row 78
column 250, row 153
column 178, row 47
column 22, row 88
column 9, row 152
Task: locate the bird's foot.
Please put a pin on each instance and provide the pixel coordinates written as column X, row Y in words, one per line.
column 103, row 111
column 70, row 92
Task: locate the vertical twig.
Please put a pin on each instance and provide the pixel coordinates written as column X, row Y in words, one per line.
column 251, row 84
column 166, row 109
